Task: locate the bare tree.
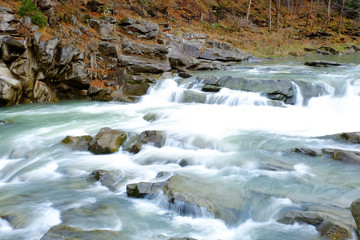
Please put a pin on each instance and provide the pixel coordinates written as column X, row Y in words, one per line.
column 309, row 14
column 328, row 13
column 248, row 13
column 277, row 13
column 269, row 15
column 341, row 14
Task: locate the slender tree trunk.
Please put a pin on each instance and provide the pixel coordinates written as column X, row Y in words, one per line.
column 277, row 13
column 248, row 13
column 341, row 14
column 328, row 13
column 269, row 15
column 309, row 15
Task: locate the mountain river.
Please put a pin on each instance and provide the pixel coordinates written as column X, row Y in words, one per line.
column 238, row 148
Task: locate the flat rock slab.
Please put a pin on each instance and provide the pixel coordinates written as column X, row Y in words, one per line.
column 323, row 64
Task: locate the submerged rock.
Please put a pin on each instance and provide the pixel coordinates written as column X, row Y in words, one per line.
column 107, row 141
column 61, row 232
column 343, row 155
column 328, row 227
column 110, row 179
column 355, row 212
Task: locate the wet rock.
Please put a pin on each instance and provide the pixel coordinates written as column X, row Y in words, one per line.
column 183, row 163
column 10, row 91
column 353, row 137
column 150, row 117
column 154, row 138
column 188, row 196
column 323, row 64
column 310, row 152
column 140, row 28
column 107, row 141
column 355, row 212
column 4, row 122
column 185, row 74
column 328, row 227
column 61, row 232
column 345, row 156
column 210, row 88
column 110, row 179
column 193, row 96
column 78, row 142
column 146, row 50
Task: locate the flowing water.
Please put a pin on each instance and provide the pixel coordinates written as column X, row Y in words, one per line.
column 237, row 144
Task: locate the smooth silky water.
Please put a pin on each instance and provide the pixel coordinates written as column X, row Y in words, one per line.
column 237, row 144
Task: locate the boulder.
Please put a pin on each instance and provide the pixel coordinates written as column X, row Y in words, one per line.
column 140, row 28
column 45, row 51
column 138, row 64
column 8, row 22
column 43, row 93
column 12, row 48
column 10, row 91
column 310, row 152
column 95, row 6
column 75, row 75
column 323, row 64
column 45, row 4
column 221, row 51
column 109, row 49
column 193, row 96
column 355, row 212
column 352, row 137
column 64, row 55
column 331, row 50
column 181, row 61
column 61, row 232
column 146, row 50
column 110, row 179
column 155, row 138
column 107, row 141
column 78, row 142
column 189, row 196
column 328, row 227
column 345, row 156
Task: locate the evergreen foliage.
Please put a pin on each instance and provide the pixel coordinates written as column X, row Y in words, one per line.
column 28, row 8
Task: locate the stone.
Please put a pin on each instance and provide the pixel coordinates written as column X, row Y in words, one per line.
column 109, row 49
column 155, row 138
column 107, row 141
column 140, row 28
column 12, row 48
column 45, row 51
column 323, row 64
column 310, row 152
column 138, row 64
column 75, row 75
column 328, row 227
column 61, row 232
column 78, row 142
column 8, row 22
column 95, row 6
column 193, row 96
column 353, row 137
column 345, row 156
column 10, row 91
column 355, row 212
column 185, row 74
column 221, row 51
column 108, row 178
column 64, row 55
column 146, row 50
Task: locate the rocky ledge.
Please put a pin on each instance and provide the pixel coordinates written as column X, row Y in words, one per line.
column 97, row 58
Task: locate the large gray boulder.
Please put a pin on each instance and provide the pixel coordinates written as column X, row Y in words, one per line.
column 107, row 141
column 139, row 64
column 190, row 196
column 45, row 51
column 12, row 48
column 140, row 28
column 109, row 49
column 147, row 50
column 345, row 156
column 61, row 232
column 221, row 51
column 75, row 75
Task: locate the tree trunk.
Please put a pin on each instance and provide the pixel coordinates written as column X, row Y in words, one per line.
column 248, row 13
column 277, row 13
column 328, row 13
column 269, row 15
column 341, row 13
column 309, row 15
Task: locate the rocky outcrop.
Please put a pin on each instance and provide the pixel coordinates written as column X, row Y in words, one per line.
column 328, row 227
column 60, row 232
column 107, row 141
column 8, row 22
column 140, row 28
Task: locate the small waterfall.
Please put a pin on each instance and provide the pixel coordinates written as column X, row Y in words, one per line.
column 299, row 97
column 236, row 98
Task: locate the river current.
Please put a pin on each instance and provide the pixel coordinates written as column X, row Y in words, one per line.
column 236, row 144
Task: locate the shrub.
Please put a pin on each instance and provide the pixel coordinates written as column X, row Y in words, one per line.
column 27, row 8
